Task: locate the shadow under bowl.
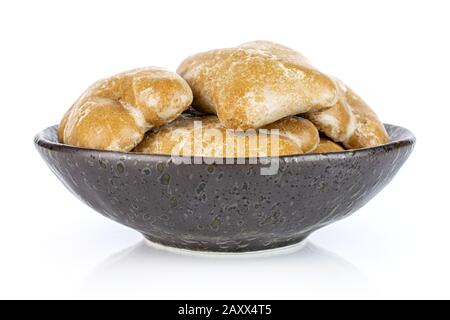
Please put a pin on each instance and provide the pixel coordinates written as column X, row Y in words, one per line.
column 225, row 207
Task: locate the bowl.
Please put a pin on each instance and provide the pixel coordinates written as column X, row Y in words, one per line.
column 229, row 208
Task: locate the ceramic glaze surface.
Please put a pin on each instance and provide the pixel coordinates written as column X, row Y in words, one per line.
column 225, row 208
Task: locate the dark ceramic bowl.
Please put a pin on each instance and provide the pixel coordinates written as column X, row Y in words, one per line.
column 220, row 207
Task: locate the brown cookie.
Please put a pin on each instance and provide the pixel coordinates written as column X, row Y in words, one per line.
column 115, row 113
column 256, row 84
column 351, row 121
column 206, row 136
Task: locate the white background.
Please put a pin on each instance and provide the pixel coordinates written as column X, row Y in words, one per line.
column 395, row 54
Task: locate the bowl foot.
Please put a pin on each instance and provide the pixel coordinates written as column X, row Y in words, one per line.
column 288, row 248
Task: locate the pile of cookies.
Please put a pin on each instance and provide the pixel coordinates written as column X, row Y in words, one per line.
column 224, row 103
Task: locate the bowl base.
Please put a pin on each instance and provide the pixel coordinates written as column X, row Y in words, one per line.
column 283, row 249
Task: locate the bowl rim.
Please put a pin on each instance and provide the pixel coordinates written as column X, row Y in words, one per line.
column 407, row 138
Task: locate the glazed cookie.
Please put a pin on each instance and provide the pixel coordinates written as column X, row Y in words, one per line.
column 351, row 121
column 255, row 84
column 327, row 146
column 115, row 113
column 206, row 136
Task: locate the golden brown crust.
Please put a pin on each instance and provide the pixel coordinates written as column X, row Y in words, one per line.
column 337, row 122
column 299, row 130
column 184, row 137
column 351, row 121
column 256, row 84
column 103, row 124
column 369, row 131
column 327, row 146
column 114, row 113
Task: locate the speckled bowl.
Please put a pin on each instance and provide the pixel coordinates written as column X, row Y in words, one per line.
column 220, row 207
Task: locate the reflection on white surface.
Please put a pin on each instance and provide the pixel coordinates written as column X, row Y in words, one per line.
column 143, row 271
